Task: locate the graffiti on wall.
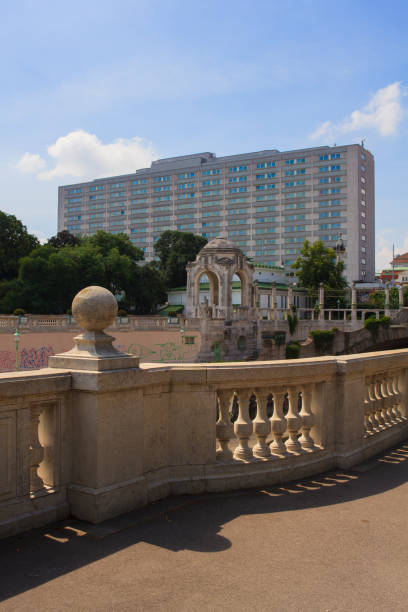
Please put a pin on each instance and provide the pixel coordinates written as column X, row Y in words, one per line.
column 28, row 358
column 33, row 358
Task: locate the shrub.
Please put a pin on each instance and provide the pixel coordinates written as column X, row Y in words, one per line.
column 292, row 351
column 19, row 312
column 385, row 321
column 373, row 325
column 122, row 313
column 279, row 338
column 323, row 340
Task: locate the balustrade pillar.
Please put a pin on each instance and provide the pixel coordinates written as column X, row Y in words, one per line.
column 321, row 302
column 278, row 423
column 36, row 450
column 243, row 427
column 290, row 298
column 392, row 399
column 379, row 405
column 294, row 422
column 397, row 395
column 387, row 301
column 368, row 409
column 353, row 302
column 262, row 426
column 400, row 296
column 224, row 428
column 306, row 441
column 386, row 400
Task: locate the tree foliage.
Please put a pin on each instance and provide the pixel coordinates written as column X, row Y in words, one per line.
column 15, row 242
column 62, row 239
column 317, row 264
column 175, row 250
column 50, row 276
column 377, row 299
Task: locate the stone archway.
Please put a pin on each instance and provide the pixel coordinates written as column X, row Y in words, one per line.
column 220, row 260
column 214, row 288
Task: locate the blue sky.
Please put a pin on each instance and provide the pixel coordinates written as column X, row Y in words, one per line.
column 96, row 88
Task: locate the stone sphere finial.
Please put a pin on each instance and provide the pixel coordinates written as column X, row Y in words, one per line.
column 94, row 308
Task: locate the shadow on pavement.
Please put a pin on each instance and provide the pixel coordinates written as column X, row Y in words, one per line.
column 184, row 522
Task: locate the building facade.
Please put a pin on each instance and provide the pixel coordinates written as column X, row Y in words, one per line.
column 267, row 203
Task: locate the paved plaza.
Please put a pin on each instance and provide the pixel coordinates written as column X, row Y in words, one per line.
column 331, row 543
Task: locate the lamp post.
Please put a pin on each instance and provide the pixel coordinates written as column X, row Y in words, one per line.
column 17, row 340
column 338, row 309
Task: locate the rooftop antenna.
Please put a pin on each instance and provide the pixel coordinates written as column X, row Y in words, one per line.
column 362, row 143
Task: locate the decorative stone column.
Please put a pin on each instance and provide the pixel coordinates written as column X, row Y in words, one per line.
column 400, row 296
column 353, row 302
column 321, row 302
column 274, row 302
column 290, row 297
column 387, row 301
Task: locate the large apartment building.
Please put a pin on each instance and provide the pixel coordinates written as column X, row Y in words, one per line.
column 268, row 203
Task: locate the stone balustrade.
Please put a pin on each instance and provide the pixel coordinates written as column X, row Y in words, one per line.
column 98, row 443
column 41, row 323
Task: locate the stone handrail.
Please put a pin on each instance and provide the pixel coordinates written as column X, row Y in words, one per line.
column 41, row 323
column 35, row 462
column 98, row 443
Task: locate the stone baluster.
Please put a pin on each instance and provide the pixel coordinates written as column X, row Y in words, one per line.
column 36, row 450
column 278, row 423
column 224, row 428
column 387, row 400
column 243, row 427
column 262, row 425
column 397, row 395
column 379, row 406
column 393, row 399
column 306, row 441
column 373, row 405
column 294, row 422
column 368, row 410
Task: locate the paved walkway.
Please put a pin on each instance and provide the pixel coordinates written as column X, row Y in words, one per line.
column 338, row 542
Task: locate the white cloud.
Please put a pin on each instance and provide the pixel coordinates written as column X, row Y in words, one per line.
column 383, row 113
column 383, row 254
column 385, row 239
column 30, row 163
column 82, row 155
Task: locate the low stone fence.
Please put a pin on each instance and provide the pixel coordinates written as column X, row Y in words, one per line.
column 41, row 323
column 94, row 442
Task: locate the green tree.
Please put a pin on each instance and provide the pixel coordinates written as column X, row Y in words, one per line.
column 50, row 277
column 62, row 239
column 377, row 299
column 105, row 242
column 175, row 250
column 317, row 264
column 15, row 242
